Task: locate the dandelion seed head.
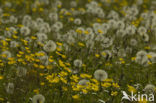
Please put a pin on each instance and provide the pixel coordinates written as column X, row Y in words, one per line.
column 78, row 63
column 150, row 88
column 100, row 75
column 39, row 98
column 10, row 88
column 50, row 46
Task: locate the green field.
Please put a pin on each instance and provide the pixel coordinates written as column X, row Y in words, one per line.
column 77, row 51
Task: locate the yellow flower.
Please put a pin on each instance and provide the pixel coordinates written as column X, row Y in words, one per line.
column 68, row 13
column 131, row 89
column 79, row 31
column 108, row 64
column 106, row 85
column 37, row 60
column 39, row 54
column 103, row 53
column 83, row 65
column 41, row 9
column 76, row 96
column 18, row 55
column 81, row 44
column 115, row 85
column 100, row 31
column 121, row 59
column 86, row 32
column 20, row 52
column 34, row 9
column 1, row 64
column 41, row 74
column 68, row 64
column 61, row 63
column 41, row 66
column 1, row 77
column 85, row 76
column 147, row 47
column 11, row 62
column 15, row 37
column 63, row 56
column 98, row 20
column 49, row 66
column 75, row 78
column 1, row 99
column 7, row 29
column 20, row 25
column 42, row 83
column 71, row 19
column 35, row 65
column 114, row 93
column 149, row 56
column 7, row 39
column 63, row 73
column 133, row 58
column 63, row 80
column 36, row 91
column 61, row 16
column 6, row 14
column 20, row 60
column 149, row 63
column 58, row 49
column 95, row 87
column 59, row 6
column 58, row 43
column 67, row 69
column 24, row 63
column 51, row 60
column 95, row 81
column 123, row 62
column 84, row 91
column 97, row 55
column 33, row 37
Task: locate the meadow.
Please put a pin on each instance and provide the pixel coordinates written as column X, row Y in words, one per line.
column 77, row 51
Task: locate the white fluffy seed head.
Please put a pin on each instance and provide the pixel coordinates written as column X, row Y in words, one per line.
column 78, row 63
column 100, row 75
column 50, row 46
column 39, row 98
column 10, row 88
column 25, row 31
column 150, row 88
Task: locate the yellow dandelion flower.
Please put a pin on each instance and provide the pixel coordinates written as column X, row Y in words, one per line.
column 1, row 77
column 106, row 85
column 76, row 96
column 133, row 58
column 97, row 55
column 41, row 66
column 115, row 85
column 36, row 91
column 149, row 56
column 114, row 93
column 33, row 37
column 1, row 99
column 81, row 44
column 42, row 83
column 131, row 89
